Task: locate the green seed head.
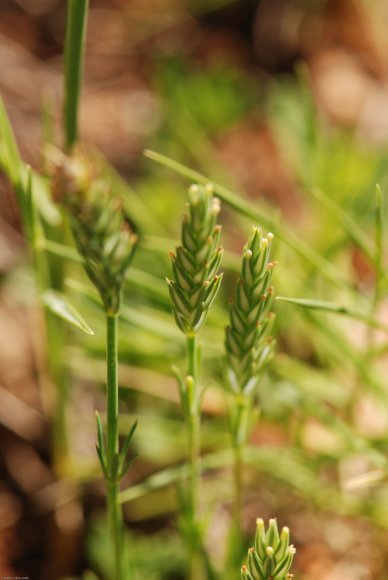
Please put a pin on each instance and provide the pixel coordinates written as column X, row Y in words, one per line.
column 195, row 282
column 271, row 557
column 249, row 346
column 101, row 229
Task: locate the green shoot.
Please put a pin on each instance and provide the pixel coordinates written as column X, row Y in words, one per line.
column 74, row 52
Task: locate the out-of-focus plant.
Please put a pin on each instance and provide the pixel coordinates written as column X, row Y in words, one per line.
column 106, row 242
column 194, row 286
column 39, row 216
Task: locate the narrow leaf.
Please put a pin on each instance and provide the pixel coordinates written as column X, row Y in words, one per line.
column 312, row 304
column 74, row 52
column 244, row 207
column 15, row 169
column 126, row 465
column 125, row 447
column 364, row 480
column 100, row 438
column 355, row 232
column 9, row 152
column 101, row 458
column 57, row 303
column 379, row 227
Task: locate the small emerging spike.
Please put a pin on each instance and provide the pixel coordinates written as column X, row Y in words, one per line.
column 254, row 296
column 272, row 556
column 196, row 261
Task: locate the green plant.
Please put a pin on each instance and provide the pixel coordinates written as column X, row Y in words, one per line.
column 271, row 556
column 106, row 243
column 192, row 291
column 77, row 11
column 249, row 349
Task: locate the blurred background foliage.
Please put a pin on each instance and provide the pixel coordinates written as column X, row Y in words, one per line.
column 284, row 102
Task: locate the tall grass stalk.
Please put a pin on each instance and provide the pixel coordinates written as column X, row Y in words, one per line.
column 193, row 288
column 106, row 243
column 56, row 329
column 77, row 11
column 249, row 349
column 115, row 515
column 38, row 216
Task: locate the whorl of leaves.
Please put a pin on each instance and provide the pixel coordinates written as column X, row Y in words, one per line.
column 101, row 229
column 271, row 556
column 249, row 347
column 196, row 261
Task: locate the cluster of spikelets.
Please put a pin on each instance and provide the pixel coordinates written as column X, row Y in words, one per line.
column 101, row 229
column 271, row 556
column 196, row 261
column 249, row 346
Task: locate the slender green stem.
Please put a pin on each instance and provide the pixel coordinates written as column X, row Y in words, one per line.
column 242, row 408
column 115, row 526
column 240, row 416
column 115, row 516
column 74, row 50
column 238, row 483
column 112, row 386
column 192, row 356
column 193, row 436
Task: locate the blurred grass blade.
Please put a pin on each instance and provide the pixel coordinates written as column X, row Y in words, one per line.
column 284, row 465
column 9, row 152
column 334, row 309
column 135, row 205
column 355, row 232
column 74, row 52
column 58, row 304
column 14, row 167
column 66, row 252
column 47, row 209
column 379, row 229
column 32, row 220
column 47, row 117
column 246, row 208
column 369, row 479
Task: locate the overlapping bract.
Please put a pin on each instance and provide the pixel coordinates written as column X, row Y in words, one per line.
column 196, row 261
column 101, row 230
column 271, row 556
column 249, row 346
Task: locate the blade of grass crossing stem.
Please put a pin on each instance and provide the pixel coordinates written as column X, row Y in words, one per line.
column 354, row 231
column 246, row 208
column 334, row 309
column 288, row 467
column 74, row 52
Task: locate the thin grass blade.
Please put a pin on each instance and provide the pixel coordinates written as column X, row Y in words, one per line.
column 74, row 54
column 312, row 304
column 247, row 209
column 355, row 232
column 58, row 304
